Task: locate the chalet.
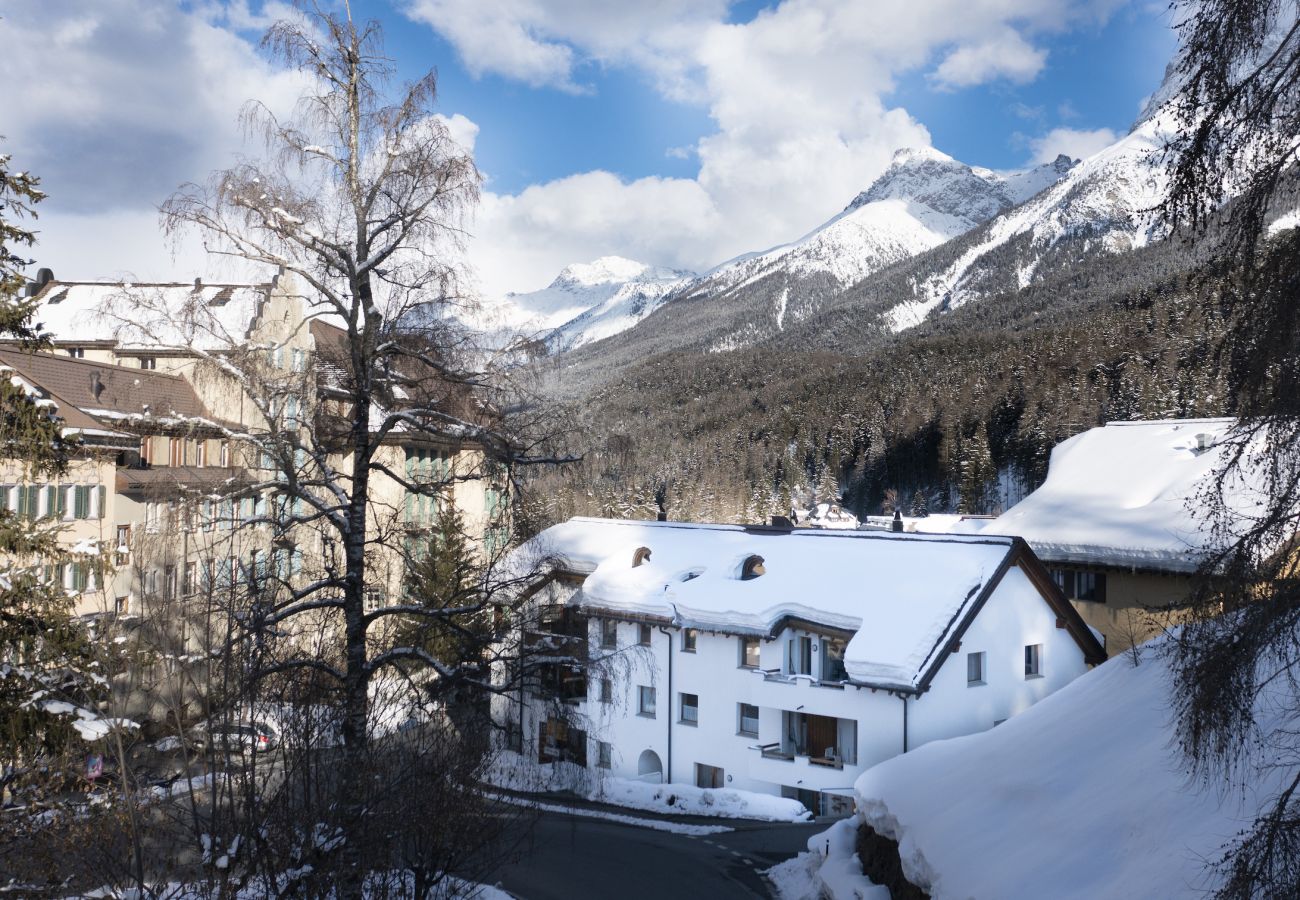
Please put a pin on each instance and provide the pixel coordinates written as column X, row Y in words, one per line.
column 1118, row 523
column 782, row 660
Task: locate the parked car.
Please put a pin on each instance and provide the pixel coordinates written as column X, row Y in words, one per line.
column 234, row 737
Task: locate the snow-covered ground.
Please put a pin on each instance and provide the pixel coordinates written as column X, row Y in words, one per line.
column 829, row 868
column 514, row 772
column 1083, row 795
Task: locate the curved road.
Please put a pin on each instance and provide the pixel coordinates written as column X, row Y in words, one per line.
column 571, row 856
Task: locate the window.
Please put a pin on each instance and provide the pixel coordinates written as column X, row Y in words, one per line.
column 146, row 451
column 974, row 669
column 176, row 452
column 690, row 637
column 709, row 776
column 77, row 352
column 748, row 720
column 1033, row 660
column 690, row 709
column 606, row 691
column 1090, row 586
column 645, row 705
column 608, row 633
column 225, row 454
column 643, row 635
column 749, row 652
column 604, row 755
column 149, row 362
column 299, row 360
column 200, row 453
column 291, row 412
column 123, row 544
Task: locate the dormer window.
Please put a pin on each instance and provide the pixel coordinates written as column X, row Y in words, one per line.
column 641, row 555
column 752, row 568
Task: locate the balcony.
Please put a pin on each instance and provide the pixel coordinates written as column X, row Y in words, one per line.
column 768, row 762
column 779, row 690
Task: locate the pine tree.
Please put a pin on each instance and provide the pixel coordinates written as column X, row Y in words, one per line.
column 47, row 653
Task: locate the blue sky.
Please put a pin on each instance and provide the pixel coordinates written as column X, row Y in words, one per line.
column 675, row 132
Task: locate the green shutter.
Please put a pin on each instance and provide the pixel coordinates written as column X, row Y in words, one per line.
column 81, row 502
column 103, row 497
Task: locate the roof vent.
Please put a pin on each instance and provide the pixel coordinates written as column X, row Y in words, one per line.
column 641, row 555
column 752, row 568
column 1204, row 441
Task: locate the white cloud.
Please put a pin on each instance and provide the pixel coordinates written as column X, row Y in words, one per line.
column 1075, row 143
column 1005, row 55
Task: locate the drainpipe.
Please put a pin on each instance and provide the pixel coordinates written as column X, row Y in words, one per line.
column 668, row 765
column 903, row 697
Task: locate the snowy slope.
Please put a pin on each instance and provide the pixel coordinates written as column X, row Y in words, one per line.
column 1107, row 202
column 923, row 199
column 1083, row 795
column 586, row 301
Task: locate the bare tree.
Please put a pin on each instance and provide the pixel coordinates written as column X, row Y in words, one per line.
column 1233, row 171
column 359, row 204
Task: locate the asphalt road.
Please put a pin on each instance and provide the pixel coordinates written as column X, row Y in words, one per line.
column 568, row 857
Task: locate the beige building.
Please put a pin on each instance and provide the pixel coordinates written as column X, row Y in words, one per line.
column 208, row 396
column 1119, row 521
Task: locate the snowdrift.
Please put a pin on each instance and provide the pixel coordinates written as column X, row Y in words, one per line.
column 1083, row 795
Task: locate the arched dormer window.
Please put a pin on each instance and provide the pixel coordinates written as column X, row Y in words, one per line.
column 751, row 568
column 641, row 555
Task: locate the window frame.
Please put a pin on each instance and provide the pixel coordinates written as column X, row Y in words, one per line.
column 604, row 755
column 608, row 634
column 741, row 717
column 682, row 718
column 745, row 642
column 690, row 639
column 645, row 634
column 644, row 693
column 981, row 657
column 1033, row 661
column 606, row 693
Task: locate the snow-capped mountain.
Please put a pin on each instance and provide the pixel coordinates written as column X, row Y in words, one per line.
column 923, row 199
column 588, row 301
column 1105, row 204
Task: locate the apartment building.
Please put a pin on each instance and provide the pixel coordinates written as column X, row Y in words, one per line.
column 187, row 381
column 781, row 660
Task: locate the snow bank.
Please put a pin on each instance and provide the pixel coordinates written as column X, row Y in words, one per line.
column 830, row 868
column 514, row 772
column 1081, row 796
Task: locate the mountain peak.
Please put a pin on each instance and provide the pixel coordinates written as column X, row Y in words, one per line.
column 605, row 270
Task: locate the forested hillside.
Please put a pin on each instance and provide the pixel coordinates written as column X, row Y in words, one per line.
column 959, row 413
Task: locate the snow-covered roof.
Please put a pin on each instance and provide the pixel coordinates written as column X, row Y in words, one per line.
column 900, row 594
column 150, row 316
column 1123, row 495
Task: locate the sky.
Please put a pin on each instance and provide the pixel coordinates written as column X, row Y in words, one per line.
column 679, row 133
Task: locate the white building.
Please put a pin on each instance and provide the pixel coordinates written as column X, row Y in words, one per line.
column 786, row 661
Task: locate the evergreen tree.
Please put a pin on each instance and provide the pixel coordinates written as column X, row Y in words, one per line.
column 47, row 655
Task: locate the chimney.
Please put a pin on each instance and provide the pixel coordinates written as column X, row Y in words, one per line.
column 663, row 515
column 198, row 285
column 1204, row 441
column 897, row 525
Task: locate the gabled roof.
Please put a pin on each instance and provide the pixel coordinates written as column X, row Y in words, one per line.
column 107, row 396
column 153, row 316
column 903, row 597
column 1125, row 495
